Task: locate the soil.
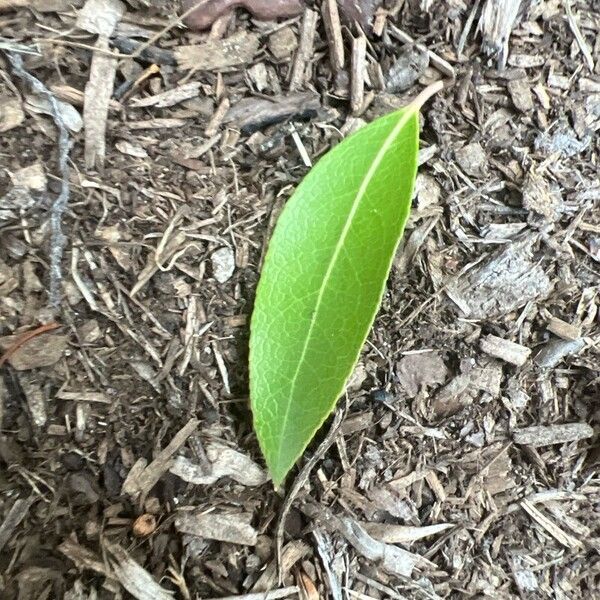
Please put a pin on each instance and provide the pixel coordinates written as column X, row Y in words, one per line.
column 143, row 166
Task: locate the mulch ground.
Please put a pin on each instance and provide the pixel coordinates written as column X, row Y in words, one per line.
column 143, row 164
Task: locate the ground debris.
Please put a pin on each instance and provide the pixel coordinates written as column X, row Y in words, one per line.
column 305, row 49
column 472, row 159
column 462, row 390
column 539, row 199
column 292, row 553
column 282, row 43
column 546, row 523
column 361, row 11
column 199, row 159
column 393, row 559
column 520, row 94
column 564, row 330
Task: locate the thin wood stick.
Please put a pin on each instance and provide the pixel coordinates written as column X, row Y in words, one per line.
column 176, row 21
column 301, row 480
column 357, row 85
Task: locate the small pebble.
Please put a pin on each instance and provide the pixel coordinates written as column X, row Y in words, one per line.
column 144, row 525
column 381, row 396
column 223, row 264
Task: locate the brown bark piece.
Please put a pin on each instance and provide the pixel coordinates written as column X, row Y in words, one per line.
column 214, row 55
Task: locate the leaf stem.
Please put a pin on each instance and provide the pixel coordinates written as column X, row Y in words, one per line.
column 429, row 91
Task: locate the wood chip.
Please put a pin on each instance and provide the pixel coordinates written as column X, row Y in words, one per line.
column 215, row 55
column 224, row 462
column 234, row 528
column 394, row 560
column 407, row 69
column 333, row 30
column 84, row 396
column 293, row 552
column 422, row 370
column 11, row 113
column 40, row 104
column 520, row 94
column 98, row 92
column 579, row 37
column 100, row 17
column 252, row 114
column 556, row 350
column 18, row 511
column 32, row 177
column 132, row 576
column 270, row 595
column 402, row 534
column 209, row 11
column 357, row 73
column 541, row 435
column 169, row 97
column 130, row 149
column 282, row 43
column 156, row 124
column 305, row 49
column 217, row 119
column 562, row 329
column 513, row 353
column 496, row 23
column 556, row 532
column 505, row 281
column 142, row 480
column 443, row 66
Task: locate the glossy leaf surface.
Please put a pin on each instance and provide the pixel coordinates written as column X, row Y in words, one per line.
column 323, row 280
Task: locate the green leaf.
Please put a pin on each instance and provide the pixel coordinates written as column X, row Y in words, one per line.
column 323, row 279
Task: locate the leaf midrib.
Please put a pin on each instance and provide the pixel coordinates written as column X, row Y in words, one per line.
column 409, row 111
